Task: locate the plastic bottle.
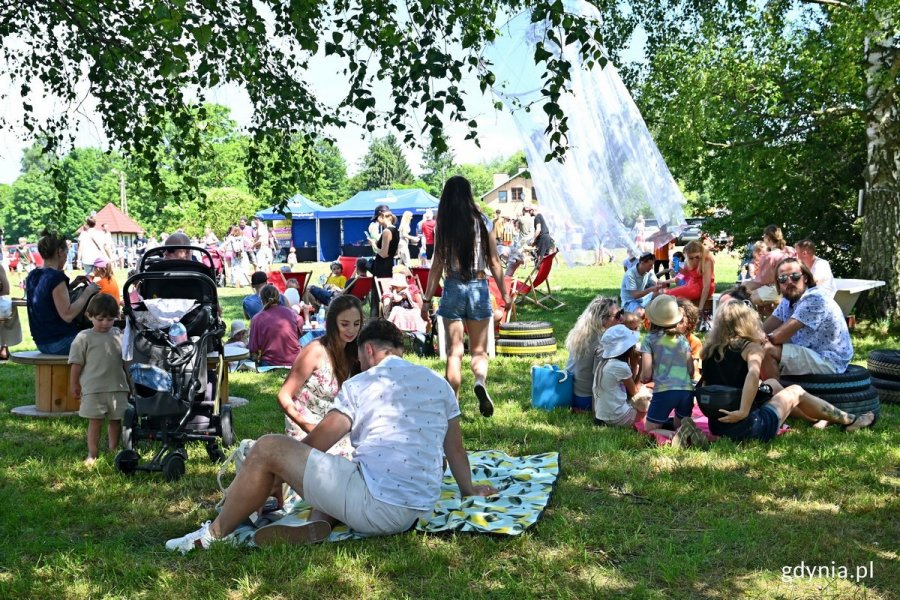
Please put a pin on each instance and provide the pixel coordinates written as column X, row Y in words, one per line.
column 320, row 316
column 177, row 334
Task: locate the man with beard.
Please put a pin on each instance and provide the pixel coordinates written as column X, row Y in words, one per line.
column 807, row 333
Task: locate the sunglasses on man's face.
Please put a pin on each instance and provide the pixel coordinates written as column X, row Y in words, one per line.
column 795, row 277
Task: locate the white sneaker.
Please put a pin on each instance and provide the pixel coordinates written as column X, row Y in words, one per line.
column 201, row 538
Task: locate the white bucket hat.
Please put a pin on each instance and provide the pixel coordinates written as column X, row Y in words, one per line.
column 617, row 340
column 665, row 312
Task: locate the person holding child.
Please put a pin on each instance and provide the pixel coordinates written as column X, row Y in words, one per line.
column 615, row 386
column 666, row 360
column 97, row 374
column 583, row 342
column 51, row 315
column 732, row 356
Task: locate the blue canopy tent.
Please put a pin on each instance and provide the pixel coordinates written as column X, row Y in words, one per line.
column 304, row 225
column 346, row 223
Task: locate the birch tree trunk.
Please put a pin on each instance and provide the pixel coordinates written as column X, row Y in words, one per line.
column 880, row 250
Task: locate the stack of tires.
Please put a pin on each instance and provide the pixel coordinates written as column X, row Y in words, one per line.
column 526, row 338
column 850, row 391
column 884, row 367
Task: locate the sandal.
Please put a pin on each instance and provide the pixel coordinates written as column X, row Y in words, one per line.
column 856, row 418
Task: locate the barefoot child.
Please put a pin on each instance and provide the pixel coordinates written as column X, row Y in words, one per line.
column 688, row 327
column 615, row 384
column 666, row 360
column 98, row 374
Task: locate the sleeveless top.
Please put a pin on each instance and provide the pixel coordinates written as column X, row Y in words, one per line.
column 384, row 266
column 313, row 401
column 731, row 371
column 479, row 264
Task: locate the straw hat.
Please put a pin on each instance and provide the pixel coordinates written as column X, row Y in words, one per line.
column 617, row 340
column 665, row 312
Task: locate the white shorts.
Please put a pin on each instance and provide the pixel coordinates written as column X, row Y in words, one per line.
column 799, row 360
column 336, row 486
column 768, row 293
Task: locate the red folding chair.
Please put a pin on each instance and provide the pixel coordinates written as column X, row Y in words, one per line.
column 348, row 265
column 528, row 289
column 302, row 278
column 277, row 279
column 421, row 275
column 361, row 288
column 497, row 297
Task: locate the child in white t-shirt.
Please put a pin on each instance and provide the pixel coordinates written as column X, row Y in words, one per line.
column 615, row 391
column 97, row 375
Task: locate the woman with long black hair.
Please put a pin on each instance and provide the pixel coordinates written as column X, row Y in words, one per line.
column 464, row 251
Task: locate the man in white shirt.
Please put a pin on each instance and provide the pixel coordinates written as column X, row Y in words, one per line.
column 91, row 246
column 821, row 270
column 403, row 419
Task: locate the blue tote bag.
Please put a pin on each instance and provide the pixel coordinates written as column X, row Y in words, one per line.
column 551, row 387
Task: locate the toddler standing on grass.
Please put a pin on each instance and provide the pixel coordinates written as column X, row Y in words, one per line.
column 98, row 374
column 688, row 327
column 666, row 360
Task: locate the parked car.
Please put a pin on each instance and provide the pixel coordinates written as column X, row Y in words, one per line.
column 691, row 232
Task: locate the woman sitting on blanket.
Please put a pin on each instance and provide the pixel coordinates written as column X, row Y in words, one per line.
column 583, row 343
column 320, row 369
column 732, row 357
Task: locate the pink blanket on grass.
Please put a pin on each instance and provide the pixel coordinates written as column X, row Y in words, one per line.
column 702, row 424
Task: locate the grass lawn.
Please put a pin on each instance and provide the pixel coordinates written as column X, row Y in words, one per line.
column 628, row 519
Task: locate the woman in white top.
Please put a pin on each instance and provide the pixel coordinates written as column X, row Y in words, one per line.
column 405, row 238
column 464, row 249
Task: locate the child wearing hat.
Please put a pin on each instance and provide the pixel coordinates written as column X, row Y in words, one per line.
column 615, row 384
column 238, row 333
column 102, row 275
column 402, row 302
column 666, row 360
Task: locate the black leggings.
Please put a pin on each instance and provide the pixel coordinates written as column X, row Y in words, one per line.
column 661, row 263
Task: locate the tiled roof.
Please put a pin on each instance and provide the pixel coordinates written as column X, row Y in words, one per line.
column 116, row 220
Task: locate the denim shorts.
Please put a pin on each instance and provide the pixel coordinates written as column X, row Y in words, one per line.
column 58, row 346
column 663, row 403
column 465, row 300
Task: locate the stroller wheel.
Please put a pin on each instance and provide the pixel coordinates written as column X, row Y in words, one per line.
column 127, row 461
column 215, row 453
column 225, row 429
column 173, row 466
column 128, row 423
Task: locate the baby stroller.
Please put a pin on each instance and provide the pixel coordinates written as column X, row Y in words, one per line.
column 170, row 333
column 217, row 263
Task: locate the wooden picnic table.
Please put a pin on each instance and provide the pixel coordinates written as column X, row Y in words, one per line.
column 52, row 397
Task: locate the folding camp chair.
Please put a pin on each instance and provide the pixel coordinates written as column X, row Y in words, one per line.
column 302, row 278
column 528, row 289
column 361, row 288
column 421, row 274
column 348, row 265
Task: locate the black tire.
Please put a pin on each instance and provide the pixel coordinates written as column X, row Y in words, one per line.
column 854, row 379
column 889, row 396
column 885, row 364
column 127, row 462
column 226, row 431
column 173, row 466
column 855, row 402
column 525, row 330
column 885, row 384
column 128, row 423
column 526, row 347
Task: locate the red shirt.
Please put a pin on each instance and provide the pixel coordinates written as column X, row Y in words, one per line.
column 428, row 231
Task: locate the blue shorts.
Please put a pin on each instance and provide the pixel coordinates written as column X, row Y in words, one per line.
column 465, row 300
column 59, row 346
column 663, row 403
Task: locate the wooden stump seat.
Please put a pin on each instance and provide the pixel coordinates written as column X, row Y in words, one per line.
column 51, row 381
